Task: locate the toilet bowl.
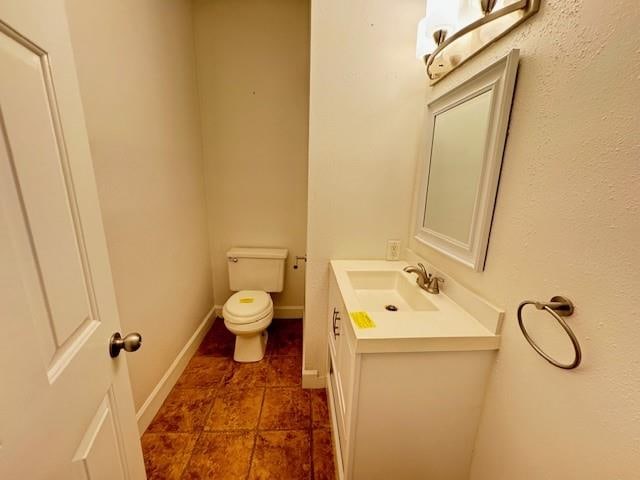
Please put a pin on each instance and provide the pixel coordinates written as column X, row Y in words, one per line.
column 247, row 314
column 253, row 274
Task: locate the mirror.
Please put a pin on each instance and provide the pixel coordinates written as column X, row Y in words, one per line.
column 466, row 135
column 455, row 167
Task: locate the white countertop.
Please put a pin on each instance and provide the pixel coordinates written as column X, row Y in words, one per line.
column 449, row 327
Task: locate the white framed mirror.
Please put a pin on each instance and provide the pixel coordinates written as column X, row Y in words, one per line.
column 466, row 133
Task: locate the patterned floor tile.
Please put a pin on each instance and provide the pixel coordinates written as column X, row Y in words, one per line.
column 319, row 409
column 248, row 374
column 281, row 455
column 323, row 466
column 221, row 455
column 166, row 454
column 285, row 338
column 219, row 342
column 285, row 409
column 236, row 409
column 184, row 410
column 284, row 372
column 232, row 420
column 205, row 372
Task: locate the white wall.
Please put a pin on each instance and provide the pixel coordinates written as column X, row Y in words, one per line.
column 253, row 72
column 365, row 115
column 136, row 68
column 567, row 221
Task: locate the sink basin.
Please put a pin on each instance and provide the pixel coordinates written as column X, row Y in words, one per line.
column 392, row 291
column 423, row 322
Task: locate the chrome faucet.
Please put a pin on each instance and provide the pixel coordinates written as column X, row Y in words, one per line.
column 426, row 281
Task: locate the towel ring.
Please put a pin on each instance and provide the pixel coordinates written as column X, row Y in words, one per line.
column 558, row 307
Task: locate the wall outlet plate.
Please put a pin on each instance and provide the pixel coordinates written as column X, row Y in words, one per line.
column 393, row 249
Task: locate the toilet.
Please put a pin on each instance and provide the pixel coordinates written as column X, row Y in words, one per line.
column 253, row 274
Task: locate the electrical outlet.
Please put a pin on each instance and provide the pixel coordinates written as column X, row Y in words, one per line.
column 393, row 250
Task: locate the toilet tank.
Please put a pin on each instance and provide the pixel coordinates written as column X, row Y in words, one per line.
column 256, row 268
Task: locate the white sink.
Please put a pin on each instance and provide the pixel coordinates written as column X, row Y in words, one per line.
column 422, row 322
column 388, row 291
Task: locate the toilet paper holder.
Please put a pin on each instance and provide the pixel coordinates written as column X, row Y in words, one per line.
column 299, row 258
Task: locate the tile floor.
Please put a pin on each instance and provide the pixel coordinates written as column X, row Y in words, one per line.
column 228, row 420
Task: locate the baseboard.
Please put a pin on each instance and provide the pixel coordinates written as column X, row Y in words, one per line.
column 311, row 379
column 288, row 312
column 154, row 401
column 295, row 311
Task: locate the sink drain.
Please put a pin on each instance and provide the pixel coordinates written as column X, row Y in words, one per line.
column 391, row 308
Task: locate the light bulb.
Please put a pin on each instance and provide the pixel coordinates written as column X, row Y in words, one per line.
column 470, row 11
column 425, row 43
column 441, row 15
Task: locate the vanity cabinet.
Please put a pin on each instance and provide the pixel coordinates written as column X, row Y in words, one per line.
column 401, row 414
column 342, row 362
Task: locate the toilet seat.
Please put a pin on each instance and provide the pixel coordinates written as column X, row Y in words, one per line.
column 247, row 306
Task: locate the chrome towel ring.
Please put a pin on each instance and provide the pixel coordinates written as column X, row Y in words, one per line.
column 558, row 307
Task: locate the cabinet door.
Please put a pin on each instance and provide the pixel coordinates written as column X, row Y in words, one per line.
column 336, row 316
column 347, row 356
column 333, row 310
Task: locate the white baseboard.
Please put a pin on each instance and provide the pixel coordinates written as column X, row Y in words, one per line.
column 311, row 379
column 295, row 311
column 152, row 404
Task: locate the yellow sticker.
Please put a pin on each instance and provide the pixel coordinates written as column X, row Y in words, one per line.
column 362, row 319
column 246, row 300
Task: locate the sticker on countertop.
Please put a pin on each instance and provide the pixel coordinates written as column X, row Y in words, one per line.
column 246, row 300
column 362, row 320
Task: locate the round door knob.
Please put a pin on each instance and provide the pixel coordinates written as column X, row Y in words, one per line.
column 130, row 343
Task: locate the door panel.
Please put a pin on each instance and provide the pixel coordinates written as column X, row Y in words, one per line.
column 100, row 446
column 66, row 409
column 30, row 120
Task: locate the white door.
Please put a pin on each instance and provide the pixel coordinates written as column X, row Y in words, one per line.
column 66, row 410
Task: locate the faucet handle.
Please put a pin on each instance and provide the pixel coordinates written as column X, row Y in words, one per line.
column 434, row 284
column 427, row 275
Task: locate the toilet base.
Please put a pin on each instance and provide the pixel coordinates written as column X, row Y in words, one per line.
column 250, row 348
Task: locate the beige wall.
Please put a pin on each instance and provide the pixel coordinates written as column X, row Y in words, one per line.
column 366, row 92
column 136, row 68
column 567, row 221
column 253, row 72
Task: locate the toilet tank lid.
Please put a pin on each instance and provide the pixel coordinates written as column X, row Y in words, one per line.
column 250, row 252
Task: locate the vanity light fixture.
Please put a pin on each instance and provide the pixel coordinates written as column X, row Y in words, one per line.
column 453, row 31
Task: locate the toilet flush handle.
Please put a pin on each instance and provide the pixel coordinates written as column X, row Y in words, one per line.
column 233, row 259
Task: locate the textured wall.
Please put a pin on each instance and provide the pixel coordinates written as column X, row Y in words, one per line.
column 253, row 76
column 365, row 115
column 136, row 68
column 567, row 221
